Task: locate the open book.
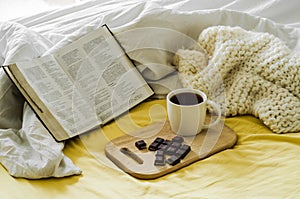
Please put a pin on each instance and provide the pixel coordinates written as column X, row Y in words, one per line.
column 82, row 86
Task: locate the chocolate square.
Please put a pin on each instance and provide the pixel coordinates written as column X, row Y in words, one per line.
column 153, row 146
column 141, row 144
column 159, row 160
column 173, row 160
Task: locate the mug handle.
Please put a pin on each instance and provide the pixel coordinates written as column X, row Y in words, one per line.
column 217, row 108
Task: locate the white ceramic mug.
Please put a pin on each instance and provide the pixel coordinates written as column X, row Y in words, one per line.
column 187, row 111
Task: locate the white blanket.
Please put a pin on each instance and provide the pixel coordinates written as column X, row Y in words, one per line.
column 247, row 73
column 150, row 31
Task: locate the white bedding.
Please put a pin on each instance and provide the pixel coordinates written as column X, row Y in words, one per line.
column 26, row 147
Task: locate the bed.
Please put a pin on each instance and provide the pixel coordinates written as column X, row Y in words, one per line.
column 261, row 164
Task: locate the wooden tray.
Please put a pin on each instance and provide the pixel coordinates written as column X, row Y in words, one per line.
column 140, row 163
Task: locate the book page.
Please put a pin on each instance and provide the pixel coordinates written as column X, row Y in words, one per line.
column 85, row 84
column 104, row 74
column 56, row 90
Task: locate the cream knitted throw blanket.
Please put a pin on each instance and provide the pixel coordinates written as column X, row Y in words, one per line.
column 255, row 73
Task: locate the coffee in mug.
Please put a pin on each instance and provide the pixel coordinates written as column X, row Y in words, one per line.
column 187, row 98
column 187, row 108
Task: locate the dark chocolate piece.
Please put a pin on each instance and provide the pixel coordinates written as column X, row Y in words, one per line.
column 159, row 140
column 141, row 144
column 171, row 150
column 173, row 160
column 178, row 139
column 186, row 147
column 176, row 145
column 159, row 153
column 183, row 151
column 163, row 147
column 159, row 160
column 153, row 146
column 166, row 142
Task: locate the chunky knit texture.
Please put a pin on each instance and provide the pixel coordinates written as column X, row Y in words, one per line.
column 247, row 73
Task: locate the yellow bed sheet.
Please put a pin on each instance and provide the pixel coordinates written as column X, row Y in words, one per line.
column 261, row 165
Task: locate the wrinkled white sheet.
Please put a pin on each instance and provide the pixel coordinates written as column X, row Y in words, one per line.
column 26, row 147
column 150, row 31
